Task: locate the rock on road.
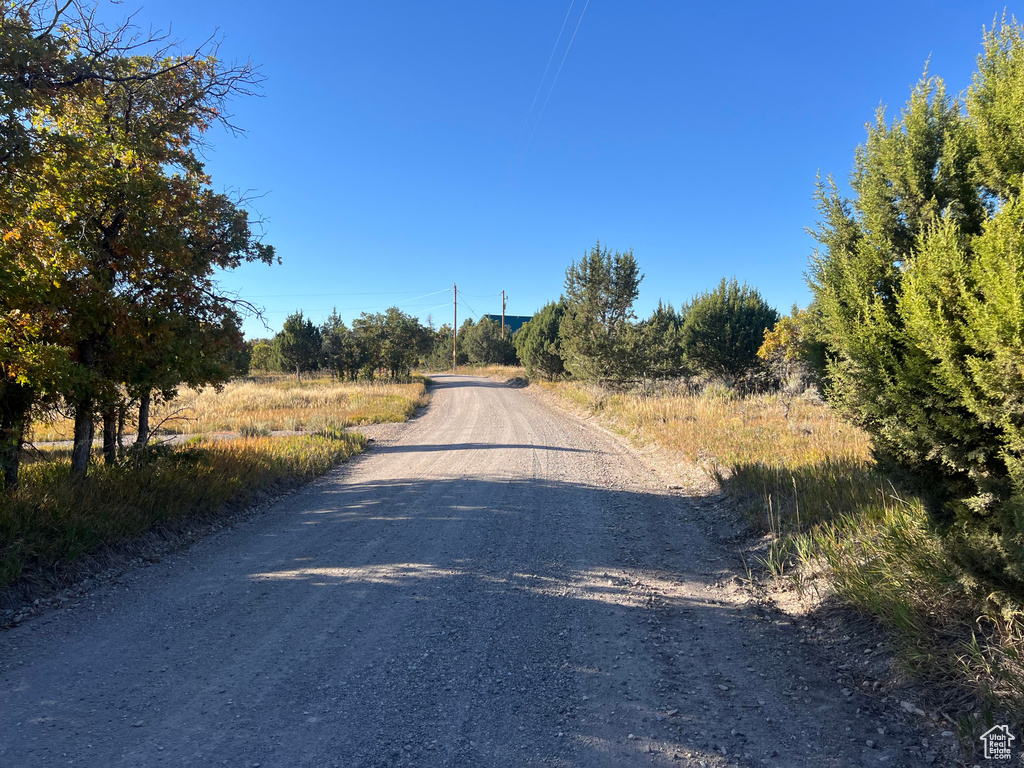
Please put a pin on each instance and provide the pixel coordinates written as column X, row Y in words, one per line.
column 499, row 584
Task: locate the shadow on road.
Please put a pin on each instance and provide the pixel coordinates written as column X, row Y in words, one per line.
column 451, row 381
column 517, row 606
column 427, row 448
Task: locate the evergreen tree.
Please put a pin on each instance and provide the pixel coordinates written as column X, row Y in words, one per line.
column 724, row 328
column 405, row 340
column 660, row 343
column 297, row 346
column 483, row 344
column 338, row 349
column 599, row 293
column 920, row 282
column 538, row 342
column 439, row 358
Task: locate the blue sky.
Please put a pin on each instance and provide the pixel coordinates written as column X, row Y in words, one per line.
column 392, row 145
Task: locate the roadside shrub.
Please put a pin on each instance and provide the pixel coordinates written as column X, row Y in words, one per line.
column 724, row 328
column 597, row 336
column 538, row 342
column 660, row 352
column 920, row 284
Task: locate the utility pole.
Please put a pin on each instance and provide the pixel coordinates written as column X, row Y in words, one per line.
column 455, row 328
column 502, row 315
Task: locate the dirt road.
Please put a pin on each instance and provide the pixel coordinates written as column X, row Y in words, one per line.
column 498, row 585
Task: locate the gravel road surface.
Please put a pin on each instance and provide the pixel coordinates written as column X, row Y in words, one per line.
column 496, row 584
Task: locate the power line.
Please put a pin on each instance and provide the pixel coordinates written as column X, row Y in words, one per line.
column 405, row 303
column 472, row 311
column 543, row 77
column 552, row 89
column 366, row 293
column 439, row 306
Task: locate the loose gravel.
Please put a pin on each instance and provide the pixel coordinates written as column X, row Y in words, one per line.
column 495, row 583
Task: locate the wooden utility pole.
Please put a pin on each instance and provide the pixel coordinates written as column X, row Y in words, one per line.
column 455, row 328
column 502, row 315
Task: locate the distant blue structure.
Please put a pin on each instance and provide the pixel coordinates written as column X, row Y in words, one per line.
column 512, row 322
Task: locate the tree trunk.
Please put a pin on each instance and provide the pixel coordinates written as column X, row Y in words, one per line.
column 83, row 407
column 84, row 430
column 110, row 436
column 15, row 402
column 142, row 438
column 298, row 373
column 120, row 431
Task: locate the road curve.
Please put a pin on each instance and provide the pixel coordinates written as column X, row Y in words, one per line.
column 500, row 585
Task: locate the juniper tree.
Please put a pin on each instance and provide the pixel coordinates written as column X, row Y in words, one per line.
column 661, row 352
column 919, row 280
column 599, row 293
column 484, row 343
column 297, row 346
column 538, row 342
column 723, row 329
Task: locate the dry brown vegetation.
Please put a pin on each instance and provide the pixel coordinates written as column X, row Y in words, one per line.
column 53, row 518
column 500, row 372
column 273, row 402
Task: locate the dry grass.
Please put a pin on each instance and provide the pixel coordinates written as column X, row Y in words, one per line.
column 806, row 468
column 54, row 518
column 500, row 372
column 273, row 402
column 836, row 525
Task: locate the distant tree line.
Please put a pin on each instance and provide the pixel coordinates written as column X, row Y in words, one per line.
column 592, row 333
column 385, row 344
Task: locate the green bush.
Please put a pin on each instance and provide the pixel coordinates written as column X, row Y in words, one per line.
column 919, row 283
column 660, row 353
column 723, row 330
column 484, row 344
column 539, row 345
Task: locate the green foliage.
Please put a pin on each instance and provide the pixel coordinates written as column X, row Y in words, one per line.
column 439, row 358
column 111, row 232
column 261, row 355
column 724, row 328
column 340, row 351
column 405, row 340
column 920, row 287
column 660, row 344
column 297, row 346
column 596, row 332
column 538, row 342
column 483, row 343
column 392, row 342
column 995, row 104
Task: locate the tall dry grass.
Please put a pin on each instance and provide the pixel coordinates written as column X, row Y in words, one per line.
column 501, row 372
column 272, row 402
column 807, row 468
